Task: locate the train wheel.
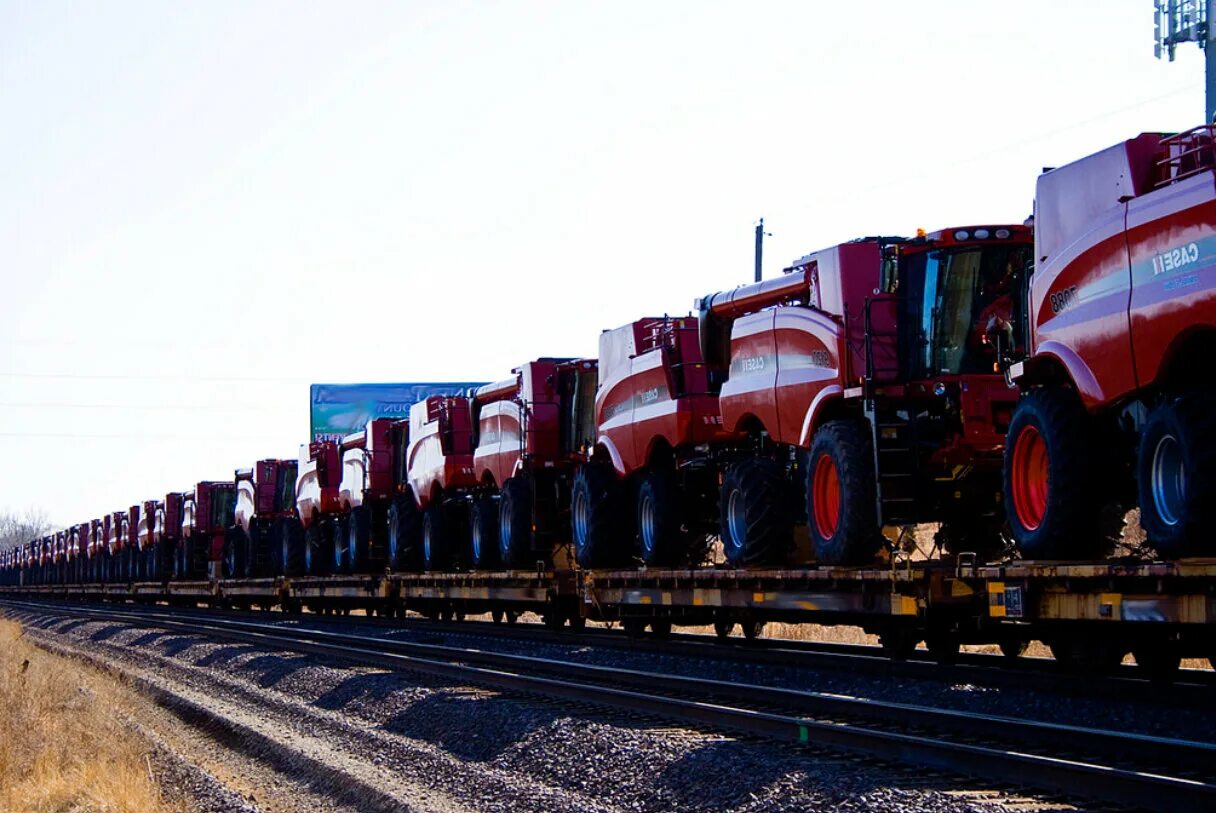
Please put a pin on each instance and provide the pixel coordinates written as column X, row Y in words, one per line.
column 943, row 647
column 899, row 644
column 496, row 616
column 515, row 523
column 756, row 527
column 596, row 516
column 634, row 627
column 1013, row 648
column 1176, row 476
column 723, row 628
column 1049, row 481
column 752, row 629
column 841, row 499
column 1087, row 655
column 288, row 545
column 1158, row 661
column 317, row 555
column 358, row 539
column 404, row 534
column 436, row 550
column 483, row 534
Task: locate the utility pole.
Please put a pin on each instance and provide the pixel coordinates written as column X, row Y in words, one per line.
column 1178, row 21
column 760, row 235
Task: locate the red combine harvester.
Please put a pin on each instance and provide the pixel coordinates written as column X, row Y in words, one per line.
column 265, row 536
column 438, row 466
column 531, row 430
column 200, row 520
column 1118, row 408
column 116, row 543
column 365, row 491
column 860, row 390
column 318, row 478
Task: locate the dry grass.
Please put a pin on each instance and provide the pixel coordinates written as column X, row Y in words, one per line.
column 64, row 747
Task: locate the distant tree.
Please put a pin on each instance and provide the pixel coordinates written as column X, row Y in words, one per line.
column 17, row 528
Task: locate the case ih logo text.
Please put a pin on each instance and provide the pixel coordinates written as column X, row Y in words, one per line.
column 1062, row 299
column 650, row 396
column 1175, row 259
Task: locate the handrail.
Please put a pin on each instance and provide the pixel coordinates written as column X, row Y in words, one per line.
column 1186, row 154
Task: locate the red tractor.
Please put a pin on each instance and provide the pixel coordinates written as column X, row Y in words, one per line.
column 1117, row 408
column 858, row 391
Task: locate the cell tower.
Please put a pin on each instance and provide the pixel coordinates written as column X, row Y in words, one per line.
column 1178, row 21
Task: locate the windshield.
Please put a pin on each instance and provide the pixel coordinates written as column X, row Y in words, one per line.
column 968, row 297
column 223, row 504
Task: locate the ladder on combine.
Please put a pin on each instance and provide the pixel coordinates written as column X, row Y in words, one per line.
column 891, row 432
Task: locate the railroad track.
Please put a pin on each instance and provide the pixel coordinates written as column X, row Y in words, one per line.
column 1193, row 688
column 1129, row 769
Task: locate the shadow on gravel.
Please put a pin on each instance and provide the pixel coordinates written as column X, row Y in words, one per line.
column 180, row 644
column 68, row 626
column 469, row 725
column 106, row 633
column 224, row 654
column 268, row 670
column 149, row 638
column 690, row 781
column 358, row 690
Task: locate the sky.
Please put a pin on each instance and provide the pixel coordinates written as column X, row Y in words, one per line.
column 206, row 207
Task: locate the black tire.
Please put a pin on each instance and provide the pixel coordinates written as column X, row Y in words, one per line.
column 1158, row 661
column 152, row 568
column 200, row 557
column 483, row 534
column 404, row 534
column 436, row 546
column 755, row 523
column 339, row 546
column 235, row 554
column 359, row 539
column 1176, row 476
column 597, row 514
column 317, row 554
column 515, row 524
column 841, row 496
column 661, row 537
column 288, row 542
column 1051, row 484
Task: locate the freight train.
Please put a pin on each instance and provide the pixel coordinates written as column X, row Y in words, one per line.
column 1021, row 386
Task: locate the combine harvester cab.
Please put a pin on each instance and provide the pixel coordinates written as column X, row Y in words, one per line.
column 318, row 478
column 265, row 538
column 647, row 494
column 531, row 431
column 439, row 470
column 1118, row 408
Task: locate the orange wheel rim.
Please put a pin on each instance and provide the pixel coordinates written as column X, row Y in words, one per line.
column 825, row 496
column 1030, row 478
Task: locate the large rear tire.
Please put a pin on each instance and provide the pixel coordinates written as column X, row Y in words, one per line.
column 317, row 555
column 1050, row 494
column 598, row 516
column 436, row 546
column 483, row 534
column 339, row 546
column 842, row 496
column 358, row 539
column 756, row 526
column 287, row 539
column 235, row 554
column 515, row 523
column 404, row 534
column 661, row 536
column 1176, row 476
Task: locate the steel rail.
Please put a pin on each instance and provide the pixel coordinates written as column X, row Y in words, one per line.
column 1064, row 774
